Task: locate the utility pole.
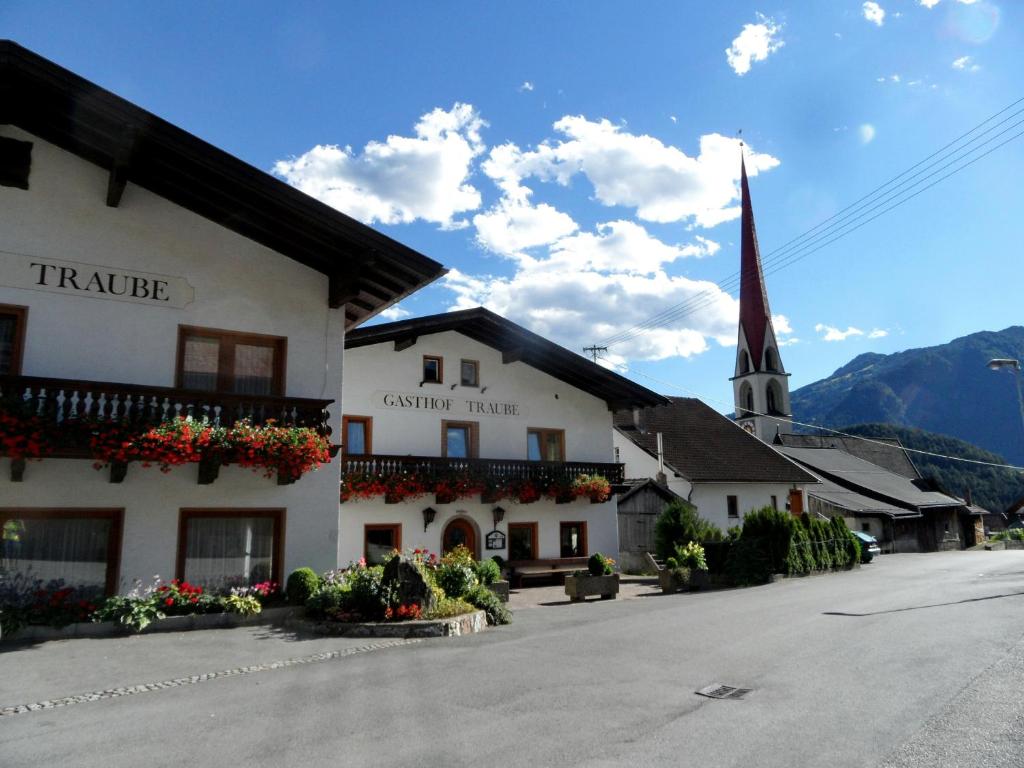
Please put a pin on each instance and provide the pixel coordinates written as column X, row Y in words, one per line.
column 595, row 351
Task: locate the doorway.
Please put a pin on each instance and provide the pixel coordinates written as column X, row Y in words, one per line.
column 458, row 531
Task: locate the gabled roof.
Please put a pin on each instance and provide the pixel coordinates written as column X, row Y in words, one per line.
column 869, row 479
column 886, row 452
column 631, row 488
column 369, row 271
column 856, row 503
column 702, row 445
column 516, row 345
column 755, row 315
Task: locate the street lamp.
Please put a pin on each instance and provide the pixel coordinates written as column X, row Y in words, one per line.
column 1000, row 363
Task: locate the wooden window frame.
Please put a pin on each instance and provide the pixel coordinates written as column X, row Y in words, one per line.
column 474, row 436
column 114, row 537
column 367, row 422
column 728, row 511
column 276, row 513
column 395, row 528
column 543, row 431
column 476, row 367
column 225, row 361
column 21, row 315
column 583, row 536
column 534, row 538
column 440, row 370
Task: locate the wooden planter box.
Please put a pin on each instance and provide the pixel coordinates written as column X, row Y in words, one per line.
column 579, row 588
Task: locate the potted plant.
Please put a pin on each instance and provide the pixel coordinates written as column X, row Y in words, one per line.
column 687, row 569
column 599, row 579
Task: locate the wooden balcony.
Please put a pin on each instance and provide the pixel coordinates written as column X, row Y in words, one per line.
column 501, row 470
column 63, row 400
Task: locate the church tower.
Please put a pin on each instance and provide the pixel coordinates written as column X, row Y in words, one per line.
column 760, row 384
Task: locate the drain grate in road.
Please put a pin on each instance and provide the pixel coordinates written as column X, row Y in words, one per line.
column 719, row 691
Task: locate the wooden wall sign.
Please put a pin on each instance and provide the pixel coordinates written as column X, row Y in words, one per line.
column 494, row 540
column 94, row 281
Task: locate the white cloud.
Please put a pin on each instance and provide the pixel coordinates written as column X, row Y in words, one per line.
column 511, row 227
column 660, row 181
column 878, row 333
column 401, row 179
column 394, row 312
column 966, row 63
column 754, row 43
column 834, row 334
column 579, row 308
column 673, row 118
column 781, row 324
column 619, row 246
column 873, row 12
column 866, row 133
column 526, row 86
column 929, row 4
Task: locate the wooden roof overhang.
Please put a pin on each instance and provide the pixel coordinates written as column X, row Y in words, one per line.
column 516, row 344
column 367, row 270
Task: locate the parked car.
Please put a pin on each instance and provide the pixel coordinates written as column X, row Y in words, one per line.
column 868, row 546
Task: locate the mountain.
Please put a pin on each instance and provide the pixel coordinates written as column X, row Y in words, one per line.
column 945, row 389
column 992, row 488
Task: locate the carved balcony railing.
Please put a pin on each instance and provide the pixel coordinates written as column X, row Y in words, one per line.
column 63, row 400
column 499, row 470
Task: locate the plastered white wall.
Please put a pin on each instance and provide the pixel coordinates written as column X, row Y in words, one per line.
column 239, row 285
column 379, row 368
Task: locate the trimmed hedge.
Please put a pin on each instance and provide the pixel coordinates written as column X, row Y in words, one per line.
column 302, row 584
column 679, row 524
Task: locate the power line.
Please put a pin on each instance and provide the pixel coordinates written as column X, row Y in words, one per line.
column 790, row 252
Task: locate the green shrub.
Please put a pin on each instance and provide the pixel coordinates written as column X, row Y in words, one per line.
column 481, row 597
column 820, row 536
column 1016, row 534
column 800, row 559
column 458, row 556
column 716, row 553
column 455, row 578
column 488, row 571
column 450, row 606
column 328, row 600
column 748, row 563
column 245, row 605
column 365, row 594
column 774, row 529
column 691, row 556
column 680, row 524
column 302, row 583
column 734, row 532
column 599, row 565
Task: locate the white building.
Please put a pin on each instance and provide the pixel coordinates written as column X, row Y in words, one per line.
column 708, row 460
column 145, row 273
column 471, row 395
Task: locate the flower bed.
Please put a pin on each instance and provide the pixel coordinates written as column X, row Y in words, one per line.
column 288, row 452
column 397, row 487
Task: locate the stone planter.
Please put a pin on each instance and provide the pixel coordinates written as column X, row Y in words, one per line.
column 466, row 624
column 673, row 580
column 500, row 588
column 579, row 588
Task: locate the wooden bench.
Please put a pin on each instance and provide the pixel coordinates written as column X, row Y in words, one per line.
column 558, row 567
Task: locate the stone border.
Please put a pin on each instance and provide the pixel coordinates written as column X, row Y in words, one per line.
column 130, row 690
column 466, row 624
column 269, row 616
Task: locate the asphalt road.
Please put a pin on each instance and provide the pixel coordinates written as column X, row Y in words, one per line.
column 915, row 660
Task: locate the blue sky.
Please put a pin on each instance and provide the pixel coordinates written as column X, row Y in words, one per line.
column 574, row 163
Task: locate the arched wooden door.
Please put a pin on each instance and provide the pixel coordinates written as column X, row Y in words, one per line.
column 459, row 531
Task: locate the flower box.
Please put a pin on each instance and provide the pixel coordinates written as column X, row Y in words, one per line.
column 579, row 587
column 673, row 580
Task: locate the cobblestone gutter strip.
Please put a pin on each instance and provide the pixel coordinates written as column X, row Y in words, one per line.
column 113, row 693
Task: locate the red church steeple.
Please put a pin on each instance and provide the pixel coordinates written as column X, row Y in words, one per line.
column 755, row 316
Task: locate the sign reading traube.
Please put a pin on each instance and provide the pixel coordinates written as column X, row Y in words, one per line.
column 460, row 406
column 94, row 281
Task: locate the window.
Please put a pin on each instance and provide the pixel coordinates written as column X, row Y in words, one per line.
column 522, row 541
column 224, row 548
column 572, row 539
column 865, row 527
column 358, row 434
column 775, row 502
column 12, row 338
column 744, row 362
column 545, row 444
column 80, row 546
column 459, row 439
column 227, row 361
column 771, row 360
column 733, row 503
column 470, row 373
column 433, row 369
column 379, row 541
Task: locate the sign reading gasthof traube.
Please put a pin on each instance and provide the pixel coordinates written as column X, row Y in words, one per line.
column 447, row 404
column 94, row 281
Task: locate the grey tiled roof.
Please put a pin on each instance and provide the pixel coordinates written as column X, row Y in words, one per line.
column 702, row 445
column 885, row 452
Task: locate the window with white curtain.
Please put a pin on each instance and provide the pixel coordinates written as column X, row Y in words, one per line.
column 227, row 551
